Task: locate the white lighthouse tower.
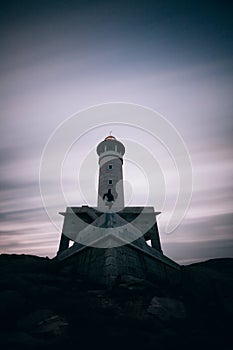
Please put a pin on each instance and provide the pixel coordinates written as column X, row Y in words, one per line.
column 110, row 241
column 110, row 190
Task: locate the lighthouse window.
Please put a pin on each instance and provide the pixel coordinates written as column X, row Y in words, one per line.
column 110, row 166
column 110, row 182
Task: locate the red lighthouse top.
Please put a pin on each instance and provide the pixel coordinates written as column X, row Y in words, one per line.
column 110, row 137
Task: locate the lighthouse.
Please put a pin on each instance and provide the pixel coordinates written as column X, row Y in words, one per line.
column 110, row 189
column 112, row 242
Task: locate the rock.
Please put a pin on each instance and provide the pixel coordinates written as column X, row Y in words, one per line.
column 18, row 340
column 43, row 321
column 54, row 324
column 34, row 318
column 11, row 304
column 167, row 308
column 97, row 292
column 130, row 282
column 44, row 310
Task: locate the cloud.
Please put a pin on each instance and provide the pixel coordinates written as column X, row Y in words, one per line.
column 56, row 61
column 201, row 239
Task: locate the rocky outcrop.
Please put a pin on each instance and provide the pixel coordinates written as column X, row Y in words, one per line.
column 47, row 305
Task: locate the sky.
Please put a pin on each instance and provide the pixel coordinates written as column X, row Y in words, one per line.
column 60, row 57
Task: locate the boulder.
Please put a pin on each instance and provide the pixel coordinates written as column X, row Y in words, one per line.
column 167, row 308
column 43, row 321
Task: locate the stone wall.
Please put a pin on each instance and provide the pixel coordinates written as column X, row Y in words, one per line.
column 106, row 266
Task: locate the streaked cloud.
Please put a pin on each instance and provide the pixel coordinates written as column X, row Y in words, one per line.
column 60, row 59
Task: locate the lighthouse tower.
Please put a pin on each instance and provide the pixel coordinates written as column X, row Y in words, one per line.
column 112, row 242
column 110, row 152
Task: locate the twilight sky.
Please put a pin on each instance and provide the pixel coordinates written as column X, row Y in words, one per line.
column 59, row 57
